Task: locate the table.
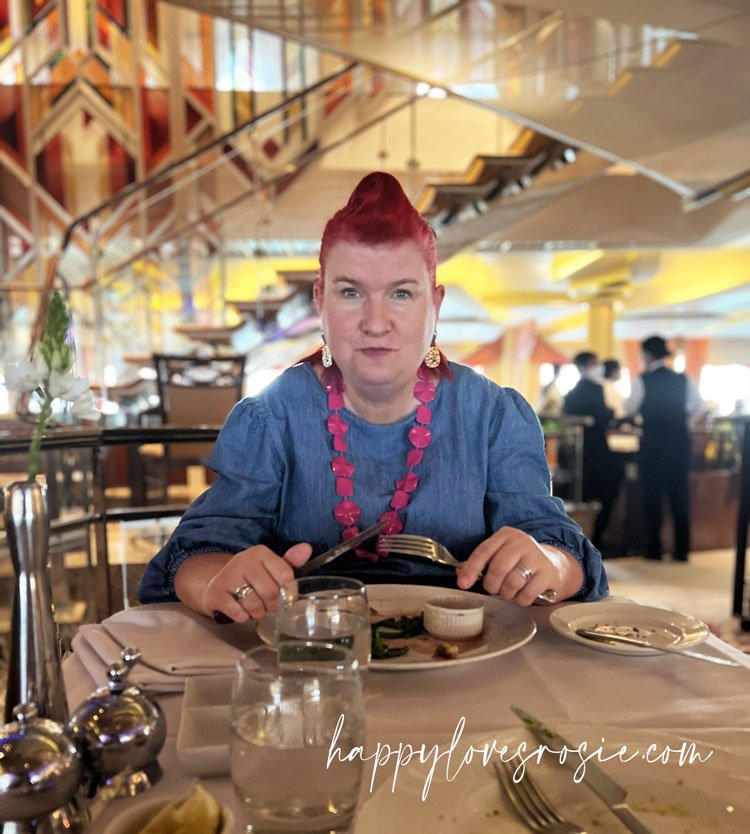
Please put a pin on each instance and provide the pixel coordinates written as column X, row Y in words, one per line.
column 552, row 677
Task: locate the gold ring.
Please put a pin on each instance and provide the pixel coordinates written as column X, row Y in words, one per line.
column 240, row 593
column 525, row 572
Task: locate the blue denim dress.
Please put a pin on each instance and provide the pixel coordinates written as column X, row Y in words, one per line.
column 484, row 469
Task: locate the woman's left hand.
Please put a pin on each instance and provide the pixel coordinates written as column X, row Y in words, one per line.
column 517, row 568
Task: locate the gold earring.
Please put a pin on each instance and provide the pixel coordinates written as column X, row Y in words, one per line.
column 325, row 355
column 432, row 357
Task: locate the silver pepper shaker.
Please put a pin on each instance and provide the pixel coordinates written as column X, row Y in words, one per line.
column 120, row 732
column 40, row 772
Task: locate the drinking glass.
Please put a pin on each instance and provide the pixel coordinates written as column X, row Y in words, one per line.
column 329, row 609
column 285, row 727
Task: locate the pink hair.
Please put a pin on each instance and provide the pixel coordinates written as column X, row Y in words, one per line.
column 379, row 213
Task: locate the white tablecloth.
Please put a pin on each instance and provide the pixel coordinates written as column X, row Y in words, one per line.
column 558, row 680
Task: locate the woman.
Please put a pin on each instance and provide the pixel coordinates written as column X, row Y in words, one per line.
column 376, row 425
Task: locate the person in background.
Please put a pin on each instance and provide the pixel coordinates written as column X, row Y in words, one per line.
column 376, row 425
column 612, row 395
column 665, row 400
column 738, row 410
column 551, row 399
column 602, row 472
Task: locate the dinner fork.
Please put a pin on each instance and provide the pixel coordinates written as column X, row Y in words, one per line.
column 428, row 548
column 531, row 806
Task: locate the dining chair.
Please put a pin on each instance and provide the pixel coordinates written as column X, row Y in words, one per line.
column 193, row 391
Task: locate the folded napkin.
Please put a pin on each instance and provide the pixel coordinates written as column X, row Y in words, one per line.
column 175, row 642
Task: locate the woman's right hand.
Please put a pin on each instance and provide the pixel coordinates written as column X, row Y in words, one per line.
column 206, row 582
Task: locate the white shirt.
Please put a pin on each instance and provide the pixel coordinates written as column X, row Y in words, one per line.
column 613, row 398
column 693, row 399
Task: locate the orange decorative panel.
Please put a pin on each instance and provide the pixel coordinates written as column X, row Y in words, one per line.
column 155, row 104
column 4, row 21
column 117, row 11
column 49, row 172
column 121, row 166
column 11, row 123
column 37, row 9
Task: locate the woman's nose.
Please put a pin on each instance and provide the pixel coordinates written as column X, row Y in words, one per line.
column 375, row 317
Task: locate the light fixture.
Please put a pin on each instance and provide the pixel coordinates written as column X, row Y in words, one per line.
column 424, row 89
column 567, row 157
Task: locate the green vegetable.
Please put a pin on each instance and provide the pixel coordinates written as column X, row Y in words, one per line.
column 394, row 629
column 380, row 651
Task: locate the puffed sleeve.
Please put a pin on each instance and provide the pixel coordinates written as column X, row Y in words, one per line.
column 519, row 493
column 240, row 508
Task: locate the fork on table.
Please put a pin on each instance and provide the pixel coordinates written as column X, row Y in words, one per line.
column 427, row 548
column 531, row 806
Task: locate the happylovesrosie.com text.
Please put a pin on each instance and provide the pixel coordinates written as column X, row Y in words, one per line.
column 453, row 760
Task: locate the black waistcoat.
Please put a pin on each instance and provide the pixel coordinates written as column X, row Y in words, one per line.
column 664, row 405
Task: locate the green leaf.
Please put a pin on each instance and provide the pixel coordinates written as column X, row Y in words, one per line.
column 54, row 346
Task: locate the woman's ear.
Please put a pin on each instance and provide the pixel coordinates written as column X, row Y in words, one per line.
column 438, row 295
column 318, row 292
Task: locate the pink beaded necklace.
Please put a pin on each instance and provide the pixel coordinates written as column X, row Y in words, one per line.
column 347, row 511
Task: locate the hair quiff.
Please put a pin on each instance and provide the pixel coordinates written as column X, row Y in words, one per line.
column 379, row 213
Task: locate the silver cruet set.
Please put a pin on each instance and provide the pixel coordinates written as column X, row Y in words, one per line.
column 55, row 771
column 52, row 775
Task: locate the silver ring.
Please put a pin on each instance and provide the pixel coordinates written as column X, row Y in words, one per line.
column 240, row 593
column 525, row 572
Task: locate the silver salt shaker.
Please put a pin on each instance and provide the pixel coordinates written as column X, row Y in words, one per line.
column 40, row 772
column 120, row 732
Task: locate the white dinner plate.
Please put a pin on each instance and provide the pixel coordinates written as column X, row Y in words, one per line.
column 703, row 798
column 507, row 627
column 659, row 626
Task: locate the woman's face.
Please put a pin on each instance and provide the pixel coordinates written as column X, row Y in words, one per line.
column 378, row 307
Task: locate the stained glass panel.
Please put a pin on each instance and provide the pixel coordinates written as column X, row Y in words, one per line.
column 117, row 11
column 36, row 9
column 11, row 123
column 4, row 23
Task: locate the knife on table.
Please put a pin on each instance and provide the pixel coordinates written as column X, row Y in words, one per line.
column 606, row 637
column 335, row 552
column 319, row 561
column 610, row 792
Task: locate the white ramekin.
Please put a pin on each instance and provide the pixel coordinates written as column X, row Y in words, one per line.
column 453, row 617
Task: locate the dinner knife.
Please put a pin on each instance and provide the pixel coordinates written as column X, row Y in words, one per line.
column 335, row 552
column 606, row 637
column 610, row 792
column 319, row 561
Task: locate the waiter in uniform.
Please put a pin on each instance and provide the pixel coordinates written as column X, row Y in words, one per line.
column 602, row 472
column 665, row 400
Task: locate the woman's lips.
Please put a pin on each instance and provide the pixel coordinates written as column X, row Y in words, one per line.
column 376, row 353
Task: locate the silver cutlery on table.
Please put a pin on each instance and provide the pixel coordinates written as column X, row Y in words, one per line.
column 319, row 561
column 532, row 807
column 427, row 548
column 610, row 792
column 337, row 551
column 624, row 639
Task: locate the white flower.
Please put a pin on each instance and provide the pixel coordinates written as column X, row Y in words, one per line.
column 26, row 376
column 83, row 407
column 67, row 386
